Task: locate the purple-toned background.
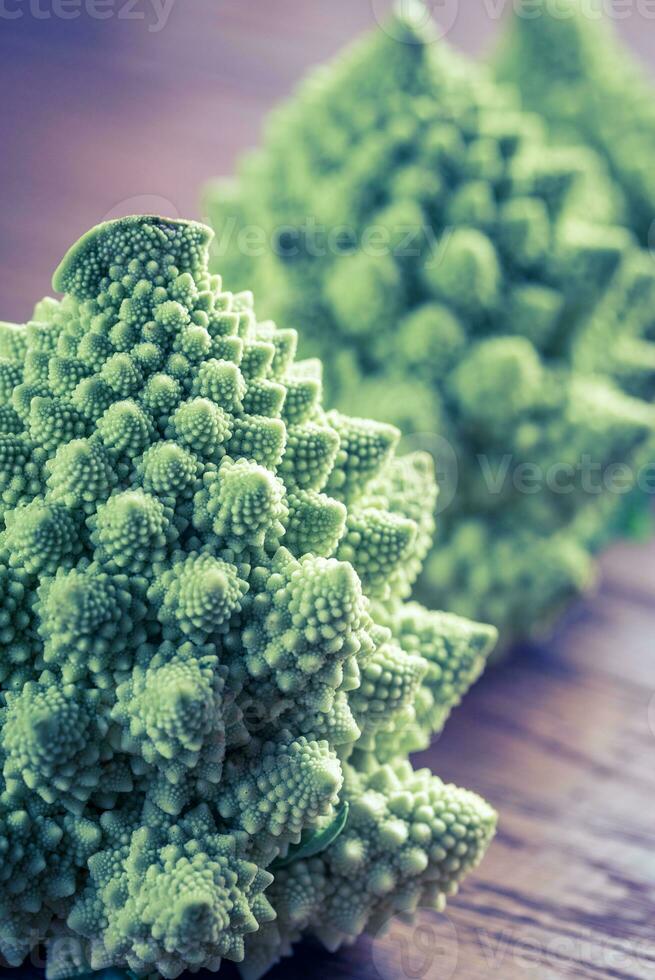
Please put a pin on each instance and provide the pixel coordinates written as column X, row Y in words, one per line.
column 135, row 111
column 104, row 117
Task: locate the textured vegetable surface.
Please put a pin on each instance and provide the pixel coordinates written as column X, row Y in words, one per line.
column 572, row 68
column 459, row 275
column 207, row 662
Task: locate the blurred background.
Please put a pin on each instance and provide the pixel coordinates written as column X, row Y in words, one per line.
column 118, row 106
column 113, row 106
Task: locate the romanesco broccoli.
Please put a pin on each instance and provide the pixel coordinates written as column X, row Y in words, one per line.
column 209, row 675
column 570, row 66
column 459, row 276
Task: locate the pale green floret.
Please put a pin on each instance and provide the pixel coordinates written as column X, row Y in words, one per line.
column 170, row 896
column 315, row 523
column 125, row 429
column 202, row 585
column 200, row 424
column 79, row 474
column 242, row 501
column 406, row 843
column 278, row 788
column 172, row 715
column 41, row 537
column 133, row 530
column 466, row 278
column 53, row 742
column 453, row 652
column 199, row 595
column 390, row 682
column 18, row 643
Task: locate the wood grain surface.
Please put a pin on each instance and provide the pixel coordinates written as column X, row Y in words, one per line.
column 99, row 117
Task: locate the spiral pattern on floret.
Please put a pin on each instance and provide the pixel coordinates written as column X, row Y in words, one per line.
column 181, row 635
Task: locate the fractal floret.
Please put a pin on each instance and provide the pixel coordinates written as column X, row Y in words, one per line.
column 210, row 675
column 572, row 68
column 459, row 275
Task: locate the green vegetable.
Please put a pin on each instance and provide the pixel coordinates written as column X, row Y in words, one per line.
column 464, row 279
column 573, row 69
column 207, row 663
column 399, row 821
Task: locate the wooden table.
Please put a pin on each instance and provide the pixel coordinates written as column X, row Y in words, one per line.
column 100, row 118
